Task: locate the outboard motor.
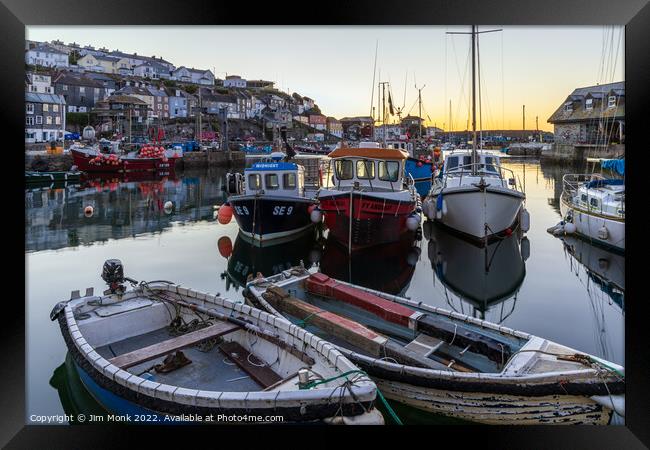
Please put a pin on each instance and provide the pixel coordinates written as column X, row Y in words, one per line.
column 234, row 183
column 113, row 275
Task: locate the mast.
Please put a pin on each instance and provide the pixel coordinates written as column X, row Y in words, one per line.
column 474, row 158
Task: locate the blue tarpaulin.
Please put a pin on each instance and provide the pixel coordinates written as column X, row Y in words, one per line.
column 617, row 165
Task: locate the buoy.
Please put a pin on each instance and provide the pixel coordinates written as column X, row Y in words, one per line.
column 88, row 211
column 169, row 206
column 225, row 214
column 412, row 222
column 525, row 248
column 525, row 220
column 508, row 232
column 224, row 244
column 569, row 228
column 316, row 215
column 603, row 233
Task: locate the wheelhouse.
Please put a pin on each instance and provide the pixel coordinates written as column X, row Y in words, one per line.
column 275, row 178
column 461, row 163
column 367, row 167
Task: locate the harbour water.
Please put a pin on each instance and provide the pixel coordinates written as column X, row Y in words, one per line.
column 565, row 290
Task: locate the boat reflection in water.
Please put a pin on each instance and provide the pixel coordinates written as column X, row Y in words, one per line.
column 386, row 267
column 478, row 277
column 247, row 259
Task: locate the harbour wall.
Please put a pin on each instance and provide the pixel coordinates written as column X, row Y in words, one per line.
column 578, row 152
column 191, row 160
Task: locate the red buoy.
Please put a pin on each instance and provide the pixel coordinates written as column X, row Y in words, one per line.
column 225, row 214
column 224, row 244
column 508, row 232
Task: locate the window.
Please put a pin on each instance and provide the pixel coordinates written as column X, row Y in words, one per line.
column 55, row 108
column 30, row 108
column 343, row 168
column 254, row 182
column 46, row 107
column 568, row 107
column 452, row 163
column 388, row 170
column 39, row 120
column 490, row 164
column 365, row 169
column 611, row 101
column 289, row 180
column 593, row 202
column 271, row 181
column 82, row 90
column 583, row 198
column 64, row 87
column 30, row 121
column 589, row 103
column 57, row 120
column 48, row 120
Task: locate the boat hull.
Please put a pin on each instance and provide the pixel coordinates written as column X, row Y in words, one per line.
column 267, row 218
column 588, row 226
column 82, row 161
column 476, row 213
column 375, row 220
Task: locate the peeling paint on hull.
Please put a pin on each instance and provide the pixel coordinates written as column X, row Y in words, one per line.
column 499, row 409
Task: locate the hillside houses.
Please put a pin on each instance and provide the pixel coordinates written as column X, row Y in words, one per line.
column 46, row 56
column 197, row 76
column 80, row 92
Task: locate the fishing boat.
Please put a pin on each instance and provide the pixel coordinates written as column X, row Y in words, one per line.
column 168, row 353
column 368, row 200
column 476, row 279
column 473, row 193
column 93, row 160
column 420, row 169
column 445, row 362
column 593, row 206
column 269, row 201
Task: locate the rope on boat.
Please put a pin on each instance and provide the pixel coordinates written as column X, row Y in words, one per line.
column 390, row 410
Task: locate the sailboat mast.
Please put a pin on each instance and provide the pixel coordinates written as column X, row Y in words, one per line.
column 474, row 158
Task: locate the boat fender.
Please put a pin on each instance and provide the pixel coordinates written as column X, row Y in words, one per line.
column 444, row 207
column 525, row 220
column 88, row 211
column 569, row 228
column 316, row 215
column 224, row 216
column 412, row 222
column 169, row 206
column 525, row 248
column 224, row 244
column 603, row 233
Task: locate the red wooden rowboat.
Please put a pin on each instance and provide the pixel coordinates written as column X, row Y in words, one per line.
column 82, row 160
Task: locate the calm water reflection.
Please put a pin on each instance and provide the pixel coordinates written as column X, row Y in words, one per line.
column 564, row 290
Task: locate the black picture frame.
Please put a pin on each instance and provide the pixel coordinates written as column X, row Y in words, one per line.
column 634, row 14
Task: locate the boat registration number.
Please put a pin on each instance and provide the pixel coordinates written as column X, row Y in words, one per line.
column 282, row 210
column 163, row 165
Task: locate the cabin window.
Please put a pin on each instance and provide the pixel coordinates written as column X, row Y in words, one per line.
column 365, row 169
column 593, row 202
column 289, row 180
column 490, row 164
column 452, row 163
column 388, row 170
column 254, row 181
column 343, row 169
column 583, row 198
column 611, row 101
column 271, row 181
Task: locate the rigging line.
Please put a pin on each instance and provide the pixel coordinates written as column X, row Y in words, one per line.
column 503, row 114
column 374, row 72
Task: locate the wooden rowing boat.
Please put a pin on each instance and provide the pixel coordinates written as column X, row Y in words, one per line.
column 161, row 350
column 445, row 362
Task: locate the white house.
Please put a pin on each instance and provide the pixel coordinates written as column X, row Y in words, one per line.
column 46, row 56
column 234, row 81
column 39, row 83
column 151, row 70
column 196, row 76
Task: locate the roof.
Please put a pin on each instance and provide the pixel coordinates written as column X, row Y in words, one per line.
column 133, row 90
column 579, row 112
column 375, row 153
column 155, row 65
column 125, row 99
column 34, row 97
column 358, row 119
column 157, row 92
column 47, row 49
column 76, row 80
column 201, row 71
column 222, row 98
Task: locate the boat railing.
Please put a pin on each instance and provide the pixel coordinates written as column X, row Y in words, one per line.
column 500, row 172
column 571, row 182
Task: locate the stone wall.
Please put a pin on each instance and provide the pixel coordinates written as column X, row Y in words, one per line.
column 212, row 159
column 567, row 133
column 48, row 162
column 570, row 152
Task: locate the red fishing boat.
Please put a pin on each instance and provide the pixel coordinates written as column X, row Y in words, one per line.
column 91, row 160
column 368, row 200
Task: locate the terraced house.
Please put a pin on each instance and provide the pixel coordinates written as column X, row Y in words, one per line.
column 44, row 117
column 80, row 92
column 45, row 55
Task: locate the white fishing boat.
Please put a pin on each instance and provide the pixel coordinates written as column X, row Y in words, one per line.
column 163, row 351
column 594, row 207
column 473, row 193
column 445, row 362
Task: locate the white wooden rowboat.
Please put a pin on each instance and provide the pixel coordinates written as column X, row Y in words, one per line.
column 162, row 350
column 446, row 362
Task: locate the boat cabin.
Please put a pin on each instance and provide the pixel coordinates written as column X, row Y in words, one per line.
column 368, row 166
column 401, row 145
column 285, row 179
column 458, row 163
column 603, row 196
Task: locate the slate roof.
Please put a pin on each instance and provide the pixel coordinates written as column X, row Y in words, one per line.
column 600, row 110
column 76, row 80
column 47, row 49
column 34, row 97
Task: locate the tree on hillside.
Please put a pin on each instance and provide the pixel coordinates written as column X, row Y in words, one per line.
column 191, row 89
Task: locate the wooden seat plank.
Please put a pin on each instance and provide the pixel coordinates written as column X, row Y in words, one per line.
column 154, row 351
column 240, row 356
